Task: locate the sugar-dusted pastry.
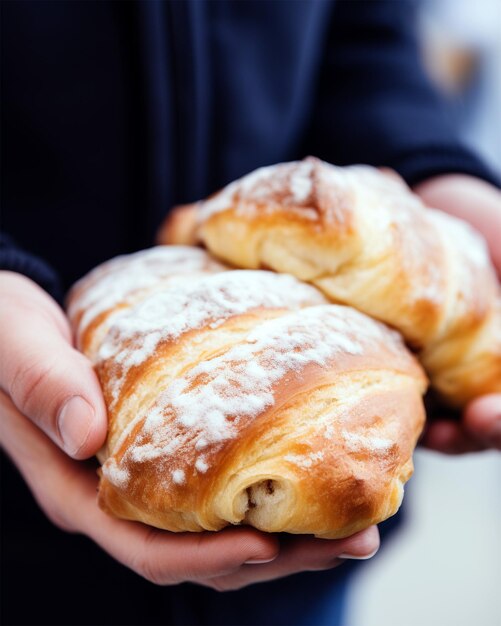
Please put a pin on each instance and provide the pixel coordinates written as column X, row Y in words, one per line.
column 111, row 288
column 242, row 397
column 366, row 240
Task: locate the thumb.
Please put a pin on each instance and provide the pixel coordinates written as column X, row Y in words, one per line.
column 482, row 420
column 47, row 379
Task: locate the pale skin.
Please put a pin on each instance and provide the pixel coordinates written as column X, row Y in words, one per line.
column 40, row 372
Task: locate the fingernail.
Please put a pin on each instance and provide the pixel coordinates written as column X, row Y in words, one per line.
column 74, row 423
column 259, row 561
column 358, row 558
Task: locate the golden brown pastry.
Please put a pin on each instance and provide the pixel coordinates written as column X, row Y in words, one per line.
column 112, row 287
column 242, row 397
column 365, row 240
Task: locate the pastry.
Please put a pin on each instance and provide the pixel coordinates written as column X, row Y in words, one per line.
column 112, row 287
column 243, row 397
column 367, row 241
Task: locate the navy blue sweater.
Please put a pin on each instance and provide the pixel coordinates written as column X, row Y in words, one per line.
column 113, row 112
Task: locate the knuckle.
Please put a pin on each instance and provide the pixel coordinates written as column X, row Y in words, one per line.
column 29, row 380
column 150, row 572
column 145, row 563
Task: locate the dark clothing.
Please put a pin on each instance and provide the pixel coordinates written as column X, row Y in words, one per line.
column 112, row 113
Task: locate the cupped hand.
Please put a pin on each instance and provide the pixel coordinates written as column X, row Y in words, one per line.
column 230, row 559
column 478, row 203
column 51, row 406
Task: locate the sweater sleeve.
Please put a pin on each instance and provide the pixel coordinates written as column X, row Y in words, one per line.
column 376, row 104
column 15, row 259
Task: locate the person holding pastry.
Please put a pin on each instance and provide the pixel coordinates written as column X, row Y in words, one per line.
column 113, row 113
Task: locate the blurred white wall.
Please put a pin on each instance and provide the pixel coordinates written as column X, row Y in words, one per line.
column 458, row 30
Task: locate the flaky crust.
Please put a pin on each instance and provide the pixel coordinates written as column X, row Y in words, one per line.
column 241, row 397
column 113, row 287
column 365, row 240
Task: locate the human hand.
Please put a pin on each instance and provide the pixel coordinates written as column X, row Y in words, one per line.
column 233, row 558
column 39, row 372
column 49, row 381
column 478, row 203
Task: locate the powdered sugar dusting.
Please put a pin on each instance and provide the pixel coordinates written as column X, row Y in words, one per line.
column 304, row 460
column 117, row 475
column 193, row 303
column 114, row 281
column 402, row 225
column 208, row 402
column 391, row 191
column 178, row 476
column 358, row 442
column 201, row 465
column 405, row 229
column 288, row 184
column 224, row 199
column 301, row 183
column 329, row 431
column 293, row 184
column 469, row 243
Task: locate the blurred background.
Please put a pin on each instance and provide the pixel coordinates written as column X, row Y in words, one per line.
column 461, row 46
column 443, row 568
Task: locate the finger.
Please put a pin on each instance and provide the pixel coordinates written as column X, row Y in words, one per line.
column 168, row 558
column 449, row 438
column 50, row 382
column 66, row 491
column 470, row 199
column 304, row 554
column 482, row 420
